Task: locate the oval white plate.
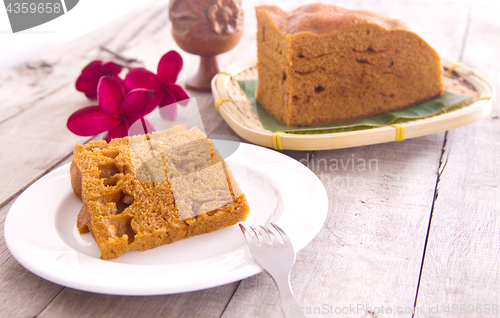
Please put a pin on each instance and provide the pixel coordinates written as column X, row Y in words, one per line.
column 41, row 234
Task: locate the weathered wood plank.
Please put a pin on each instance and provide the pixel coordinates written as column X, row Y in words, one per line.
column 37, row 100
column 205, row 303
column 462, row 262
column 149, row 37
column 42, row 96
column 18, row 285
column 22, row 294
column 4, row 253
column 25, row 84
column 51, row 127
column 370, row 250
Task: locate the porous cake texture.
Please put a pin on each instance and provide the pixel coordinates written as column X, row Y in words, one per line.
column 144, row 191
column 322, row 64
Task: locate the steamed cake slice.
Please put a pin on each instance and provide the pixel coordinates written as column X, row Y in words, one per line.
column 211, row 191
column 140, row 154
column 148, row 164
column 194, row 163
column 123, row 212
column 162, row 142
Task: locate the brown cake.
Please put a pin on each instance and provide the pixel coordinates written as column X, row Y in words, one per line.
column 144, row 191
column 323, row 64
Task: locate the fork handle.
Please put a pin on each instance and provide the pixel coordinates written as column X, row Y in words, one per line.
column 289, row 305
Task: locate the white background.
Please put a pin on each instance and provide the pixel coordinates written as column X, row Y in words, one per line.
column 85, row 17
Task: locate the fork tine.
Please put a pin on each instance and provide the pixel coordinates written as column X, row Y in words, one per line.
column 249, row 237
column 282, row 233
column 245, row 232
column 243, row 229
column 271, row 237
column 274, row 256
column 256, row 233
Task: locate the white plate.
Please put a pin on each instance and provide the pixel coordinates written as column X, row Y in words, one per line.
column 41, row 234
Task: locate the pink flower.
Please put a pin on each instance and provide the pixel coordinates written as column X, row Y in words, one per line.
column 118, row 112
column 88, row 80
column 166, row 92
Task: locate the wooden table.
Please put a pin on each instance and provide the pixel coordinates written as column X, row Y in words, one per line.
column 422, row 230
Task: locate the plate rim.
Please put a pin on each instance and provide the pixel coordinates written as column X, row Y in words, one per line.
column 250, row 268
column 326, row 141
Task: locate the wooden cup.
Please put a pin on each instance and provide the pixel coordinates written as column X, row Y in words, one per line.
column 206, row 28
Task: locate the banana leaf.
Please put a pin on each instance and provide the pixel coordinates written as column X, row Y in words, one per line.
column 439, row 105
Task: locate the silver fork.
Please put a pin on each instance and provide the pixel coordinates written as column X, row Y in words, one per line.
column 276, row 256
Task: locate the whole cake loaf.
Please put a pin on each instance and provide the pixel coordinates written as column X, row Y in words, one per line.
column 144, row 191
column 322, row 64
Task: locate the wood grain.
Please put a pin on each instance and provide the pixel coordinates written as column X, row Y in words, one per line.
column 206, row 303
column 461, row 265
column 23, row 125
column 36, row 101
column 371, row 248
column 22, row 294
column 143, row 33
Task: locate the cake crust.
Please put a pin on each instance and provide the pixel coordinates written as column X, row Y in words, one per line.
column 322, row 64
column 129, row 193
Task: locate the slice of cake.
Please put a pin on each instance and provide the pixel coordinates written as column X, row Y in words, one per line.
column 141, row 192
column 322, row 64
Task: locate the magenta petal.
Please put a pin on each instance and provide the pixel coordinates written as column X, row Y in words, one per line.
column 139, row 126
column 110, row 93
column 169, row 112
column 111, row 68
column 90, row 121
column 93, row 69
column 141, row 78
column 87, row 85
column 137, row 101
column 169, row 67
column 87, row 81
column 180, row 93
column 118, row 131
column 168, row 98
column 157, row 97
column 91, row 95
